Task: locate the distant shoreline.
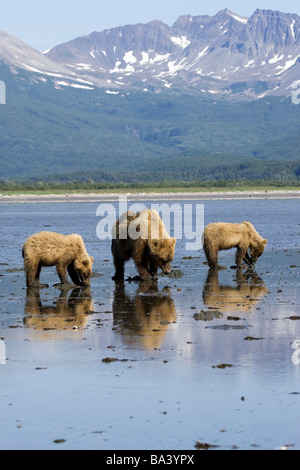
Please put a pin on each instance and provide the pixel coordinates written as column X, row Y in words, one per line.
column 151, row 196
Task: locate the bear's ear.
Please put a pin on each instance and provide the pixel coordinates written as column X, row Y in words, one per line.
column 173, row 241
column 92, row 259
column 265, row 242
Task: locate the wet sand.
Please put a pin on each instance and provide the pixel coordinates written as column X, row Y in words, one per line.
column 195, row 359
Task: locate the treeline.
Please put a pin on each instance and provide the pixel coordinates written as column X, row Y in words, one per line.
column 189, row 170
column 47, row 186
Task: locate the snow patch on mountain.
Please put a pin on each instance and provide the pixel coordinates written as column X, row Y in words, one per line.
column 182, row 41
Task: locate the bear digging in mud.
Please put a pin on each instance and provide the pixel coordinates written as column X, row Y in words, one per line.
column 223, row 236
column 66, row 252
column 143, row 237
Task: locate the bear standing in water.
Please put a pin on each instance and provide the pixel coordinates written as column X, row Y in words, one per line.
column 143, row 237
column 223, row 236
column 66, row 252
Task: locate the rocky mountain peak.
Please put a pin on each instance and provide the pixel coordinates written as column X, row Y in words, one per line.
column 224, row 54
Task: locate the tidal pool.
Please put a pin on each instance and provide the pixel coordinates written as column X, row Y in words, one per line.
column 197, row 356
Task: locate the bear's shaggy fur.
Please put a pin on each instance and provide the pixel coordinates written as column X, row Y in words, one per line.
column 223, row 236
column 66, row 252
column 143, row 237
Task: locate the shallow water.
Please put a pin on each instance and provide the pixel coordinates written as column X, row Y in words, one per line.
column 198, row 356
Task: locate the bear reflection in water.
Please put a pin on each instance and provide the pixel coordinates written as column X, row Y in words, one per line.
column 68, row 312
column 242, row 297
column 143, row 317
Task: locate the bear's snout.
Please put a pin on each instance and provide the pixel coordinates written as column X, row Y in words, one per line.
column 166, row 269
column 85, row 279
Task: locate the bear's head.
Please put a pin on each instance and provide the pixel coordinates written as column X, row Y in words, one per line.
column 257, row 249
column 162, row 252
column 83, row 267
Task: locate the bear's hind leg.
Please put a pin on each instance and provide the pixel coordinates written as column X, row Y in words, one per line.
column 32, row 273
column 37, row 277
column 119, row 268
column 212, row 254
column 30, row 269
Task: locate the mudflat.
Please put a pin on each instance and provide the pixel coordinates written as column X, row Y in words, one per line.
column 199, row 359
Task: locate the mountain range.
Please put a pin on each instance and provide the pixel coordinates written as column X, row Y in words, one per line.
column 212, row 95
column 225, row 54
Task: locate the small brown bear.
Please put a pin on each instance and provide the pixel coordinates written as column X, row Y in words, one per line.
column 143, row 237
column 66, row 252
column 223, row 236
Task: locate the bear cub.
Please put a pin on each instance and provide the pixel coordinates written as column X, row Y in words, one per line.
column 66, row 252
column 223, row 236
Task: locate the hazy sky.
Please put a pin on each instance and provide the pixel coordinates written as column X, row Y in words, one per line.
column 44, row 24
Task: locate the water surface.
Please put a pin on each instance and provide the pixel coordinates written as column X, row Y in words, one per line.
column 199, row 356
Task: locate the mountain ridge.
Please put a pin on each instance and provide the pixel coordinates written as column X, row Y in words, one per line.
column 197, row 53
column 225, row 55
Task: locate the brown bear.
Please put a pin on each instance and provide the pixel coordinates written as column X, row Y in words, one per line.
column 223, row 236
column 66, row 252
column 143, row 237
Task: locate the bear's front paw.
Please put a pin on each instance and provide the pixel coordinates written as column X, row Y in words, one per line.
column 147, row 278
column 38, row 285
column 66, row 286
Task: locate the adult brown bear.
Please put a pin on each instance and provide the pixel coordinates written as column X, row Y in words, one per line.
column 143, row 237
column 223, row 236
